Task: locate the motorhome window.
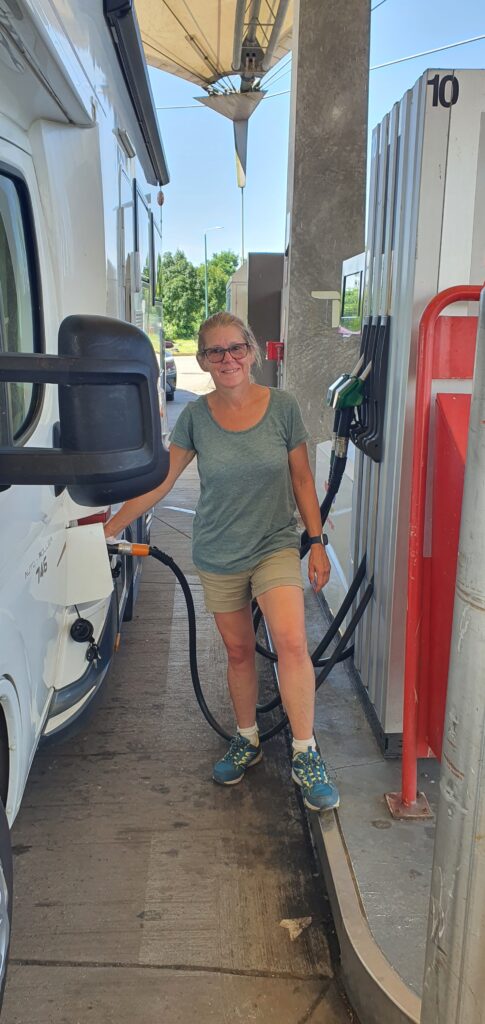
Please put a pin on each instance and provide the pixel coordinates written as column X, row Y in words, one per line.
column 143, row 237
column 126, row 240
column 351, row 301
column 157, row 264
column 18, row 329
column 126, row 196
column 146, row 316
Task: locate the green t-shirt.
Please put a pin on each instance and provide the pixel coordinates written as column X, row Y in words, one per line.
column 246, row 507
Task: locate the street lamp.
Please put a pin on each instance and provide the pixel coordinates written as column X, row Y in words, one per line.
column 218, row 227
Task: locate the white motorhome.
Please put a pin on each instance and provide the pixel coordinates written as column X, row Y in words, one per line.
column 81, row 164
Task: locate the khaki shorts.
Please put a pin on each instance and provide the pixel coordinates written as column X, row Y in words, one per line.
column 229, row 593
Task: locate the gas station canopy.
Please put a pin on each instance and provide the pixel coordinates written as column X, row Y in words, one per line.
column 208, row 42
column 204, row 41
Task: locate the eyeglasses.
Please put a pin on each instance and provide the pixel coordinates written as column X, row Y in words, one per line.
column 239, row 350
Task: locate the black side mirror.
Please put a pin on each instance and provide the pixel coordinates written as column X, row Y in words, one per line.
column 110, row 435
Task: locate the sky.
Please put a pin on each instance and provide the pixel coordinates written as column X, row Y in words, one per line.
column 203, row 193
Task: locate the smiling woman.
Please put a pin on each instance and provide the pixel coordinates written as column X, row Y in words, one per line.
column 253, row 467
column 222, row 326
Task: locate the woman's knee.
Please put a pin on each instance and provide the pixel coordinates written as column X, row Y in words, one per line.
column 291, row 644
column 239, row 651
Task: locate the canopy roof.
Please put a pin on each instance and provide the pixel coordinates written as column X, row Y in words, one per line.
column 204, row 41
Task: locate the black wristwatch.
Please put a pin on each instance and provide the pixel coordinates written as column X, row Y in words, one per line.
column 321, row 539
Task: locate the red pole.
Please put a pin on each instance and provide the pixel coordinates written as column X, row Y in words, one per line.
column 424, row 371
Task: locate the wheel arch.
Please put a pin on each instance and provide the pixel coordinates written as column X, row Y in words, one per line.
column 12, row 771
column 4, row 758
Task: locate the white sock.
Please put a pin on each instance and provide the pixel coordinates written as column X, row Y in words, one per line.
column 251, row 734
column 301, row 746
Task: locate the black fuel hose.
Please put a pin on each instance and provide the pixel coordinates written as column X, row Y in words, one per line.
column 333, row 628
column 262, row 709
column 167, row 560
column 326, row 640
column 194, row 671
column 361, row 607
column 342, row 423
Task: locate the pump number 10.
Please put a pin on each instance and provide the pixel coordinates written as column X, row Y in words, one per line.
column 445, row 90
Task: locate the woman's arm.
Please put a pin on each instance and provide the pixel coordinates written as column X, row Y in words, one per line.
column 131, row 510
column 306, row 499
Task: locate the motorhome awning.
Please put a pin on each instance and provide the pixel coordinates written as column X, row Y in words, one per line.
column 205, row 40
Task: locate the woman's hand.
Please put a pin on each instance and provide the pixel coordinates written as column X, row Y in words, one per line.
column 318, row 567
column 108, row 534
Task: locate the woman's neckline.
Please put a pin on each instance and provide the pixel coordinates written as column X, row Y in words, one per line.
column 245, row 430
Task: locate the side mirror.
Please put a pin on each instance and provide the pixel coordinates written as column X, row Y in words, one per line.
column 110, row 436
column 168, row 343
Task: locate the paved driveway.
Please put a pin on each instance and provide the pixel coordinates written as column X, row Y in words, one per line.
column 144, row 893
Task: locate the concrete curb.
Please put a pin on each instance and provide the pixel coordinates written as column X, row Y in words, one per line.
column 376, row 991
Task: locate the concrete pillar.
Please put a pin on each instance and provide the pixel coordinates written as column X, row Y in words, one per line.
column 326, row 193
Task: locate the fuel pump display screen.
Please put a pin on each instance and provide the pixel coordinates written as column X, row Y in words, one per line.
column 350, row 317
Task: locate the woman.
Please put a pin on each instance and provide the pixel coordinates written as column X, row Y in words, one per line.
column 253, row 466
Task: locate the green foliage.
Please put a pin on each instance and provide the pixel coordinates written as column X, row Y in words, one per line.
column 181, row 295
column 183, row 290
column 220, row 268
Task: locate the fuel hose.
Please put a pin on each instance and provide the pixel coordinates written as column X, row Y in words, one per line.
column 326, row 665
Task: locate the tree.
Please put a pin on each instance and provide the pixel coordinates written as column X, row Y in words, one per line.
column 183, row 290
column 182, row 295
column 220, row 268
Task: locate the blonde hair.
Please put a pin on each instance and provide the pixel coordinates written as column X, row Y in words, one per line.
column 224, row 319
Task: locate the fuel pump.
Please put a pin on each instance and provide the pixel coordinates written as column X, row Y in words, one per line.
column 425, row 235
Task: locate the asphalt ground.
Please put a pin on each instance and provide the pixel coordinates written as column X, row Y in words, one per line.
column 144, row 892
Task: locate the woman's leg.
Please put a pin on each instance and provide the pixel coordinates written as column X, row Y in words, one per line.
column 283, row 610
column 236, row 629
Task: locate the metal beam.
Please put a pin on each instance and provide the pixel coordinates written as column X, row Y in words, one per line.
column 251, row 34
column 275, row 34
column 238, row 34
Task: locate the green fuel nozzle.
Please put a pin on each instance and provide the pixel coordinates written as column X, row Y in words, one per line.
column 348, row 391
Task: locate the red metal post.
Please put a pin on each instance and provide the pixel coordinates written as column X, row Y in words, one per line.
column 406, row 803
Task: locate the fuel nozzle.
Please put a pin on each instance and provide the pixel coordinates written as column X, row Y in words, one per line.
column 123, row 547
column 348, row 391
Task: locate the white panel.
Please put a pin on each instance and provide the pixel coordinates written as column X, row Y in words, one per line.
column 421, row 220
column 72, row 567
column 461, row 180
column 477, row 268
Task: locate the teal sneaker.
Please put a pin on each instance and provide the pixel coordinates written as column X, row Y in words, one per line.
column 309, row 772
column 240, row 756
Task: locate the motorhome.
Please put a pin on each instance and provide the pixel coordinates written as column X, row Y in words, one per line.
column 81, row 168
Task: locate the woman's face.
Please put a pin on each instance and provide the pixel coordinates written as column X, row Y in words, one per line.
column 230, row 372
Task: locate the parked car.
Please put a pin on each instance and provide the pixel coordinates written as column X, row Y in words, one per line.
column 170, row 372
